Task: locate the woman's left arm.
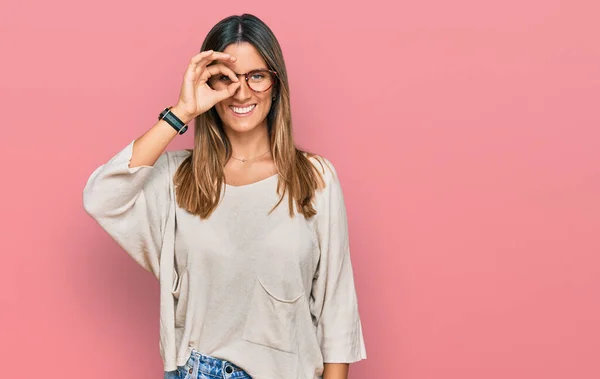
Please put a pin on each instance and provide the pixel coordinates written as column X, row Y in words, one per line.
column 333, row 300
column 336, row 370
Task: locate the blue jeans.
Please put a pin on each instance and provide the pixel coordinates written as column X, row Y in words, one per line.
column 200, row 366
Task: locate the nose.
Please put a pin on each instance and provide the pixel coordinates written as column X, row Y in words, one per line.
column 243, row 92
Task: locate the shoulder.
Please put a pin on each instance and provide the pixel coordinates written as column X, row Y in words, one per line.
column 325, row 167
column 329, row 200
column 331, row 192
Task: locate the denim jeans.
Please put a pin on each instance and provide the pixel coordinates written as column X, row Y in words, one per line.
column 200, row 366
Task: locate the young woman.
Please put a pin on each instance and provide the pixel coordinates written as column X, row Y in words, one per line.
column 246, row 233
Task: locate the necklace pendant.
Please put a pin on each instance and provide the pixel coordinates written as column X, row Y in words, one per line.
column 243, row 161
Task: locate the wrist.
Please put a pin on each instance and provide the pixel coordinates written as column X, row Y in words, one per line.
column 181, row 114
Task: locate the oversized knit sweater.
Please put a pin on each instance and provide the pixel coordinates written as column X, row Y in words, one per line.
column 271, row 293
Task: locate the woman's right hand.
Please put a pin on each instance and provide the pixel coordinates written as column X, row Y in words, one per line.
column 196, row 96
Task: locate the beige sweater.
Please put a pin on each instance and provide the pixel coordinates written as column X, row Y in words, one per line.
column 273, row 294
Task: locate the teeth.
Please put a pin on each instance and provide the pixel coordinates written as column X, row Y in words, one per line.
column 243, row 110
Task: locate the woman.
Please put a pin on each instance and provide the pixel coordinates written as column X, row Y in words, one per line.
column 249, row 287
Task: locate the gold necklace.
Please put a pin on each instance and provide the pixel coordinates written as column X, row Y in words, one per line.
column 249, row 159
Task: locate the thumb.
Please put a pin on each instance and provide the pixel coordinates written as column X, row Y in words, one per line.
column 229, row 91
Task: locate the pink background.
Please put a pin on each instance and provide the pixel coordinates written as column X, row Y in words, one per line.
column 466, row 135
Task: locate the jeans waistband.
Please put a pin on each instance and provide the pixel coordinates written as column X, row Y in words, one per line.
column 209, row 365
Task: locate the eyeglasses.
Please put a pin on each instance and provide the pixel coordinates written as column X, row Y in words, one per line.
column 259, row 80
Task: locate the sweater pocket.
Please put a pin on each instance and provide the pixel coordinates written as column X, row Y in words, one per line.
column 271, row 318
column 179, row 290
column 176, row 286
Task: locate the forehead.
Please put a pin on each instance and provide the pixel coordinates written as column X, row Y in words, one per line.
column 247, row 56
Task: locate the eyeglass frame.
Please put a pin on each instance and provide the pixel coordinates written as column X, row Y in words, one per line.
column 260, row 70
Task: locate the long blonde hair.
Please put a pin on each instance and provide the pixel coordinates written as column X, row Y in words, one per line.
column 200, row 177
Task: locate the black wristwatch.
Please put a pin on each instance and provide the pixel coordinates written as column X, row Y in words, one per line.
column 173, row 120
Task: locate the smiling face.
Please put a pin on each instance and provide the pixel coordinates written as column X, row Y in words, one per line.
column 246, row 109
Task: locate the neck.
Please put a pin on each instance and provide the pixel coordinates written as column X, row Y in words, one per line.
column 247, row 145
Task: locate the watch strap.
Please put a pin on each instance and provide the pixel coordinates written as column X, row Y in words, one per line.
column 173, row 120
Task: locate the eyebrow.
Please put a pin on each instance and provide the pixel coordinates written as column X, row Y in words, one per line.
column 254, row 69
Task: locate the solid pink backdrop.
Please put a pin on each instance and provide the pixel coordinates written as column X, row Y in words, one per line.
column 466, row 136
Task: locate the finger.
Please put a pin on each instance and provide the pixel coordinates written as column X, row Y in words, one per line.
column 219, row 68
column 228, row 92
column 190, row 72
column 198, row 75
column 204, row 54
column 205, row 57
column 200, row 61
column 196, row 58
column 203, row 75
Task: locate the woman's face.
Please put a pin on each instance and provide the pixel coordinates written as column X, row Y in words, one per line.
column 233, row 111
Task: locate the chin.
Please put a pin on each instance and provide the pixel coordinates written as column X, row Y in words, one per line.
column 242, row 127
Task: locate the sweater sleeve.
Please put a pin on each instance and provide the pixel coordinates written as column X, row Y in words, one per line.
column 131, row 205
column 333, row 300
